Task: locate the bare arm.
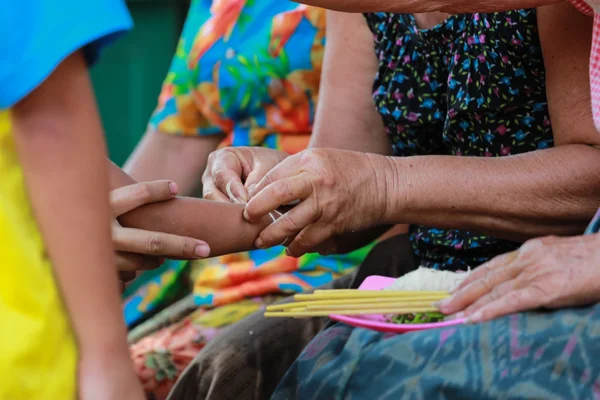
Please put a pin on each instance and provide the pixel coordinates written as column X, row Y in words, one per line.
column 552, row 191
column 60, row 145
column 219, row 224
column 422, row 6
column 181, row 159
column 544, row 192
column 346, row 117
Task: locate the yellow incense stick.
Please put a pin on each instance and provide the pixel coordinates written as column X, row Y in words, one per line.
column 367, row 306
column 365, row 294
column 402, row 300
column 382, row 310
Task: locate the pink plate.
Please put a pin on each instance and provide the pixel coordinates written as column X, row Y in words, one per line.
column 377, row 322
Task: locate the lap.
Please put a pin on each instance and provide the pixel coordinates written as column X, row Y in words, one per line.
column 248, row 359
column 546, row 355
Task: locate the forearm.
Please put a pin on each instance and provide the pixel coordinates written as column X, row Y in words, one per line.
column 221, row 225
column 546, row 192
column 346, row 117
column 61, row 149
column 422, row 6
column 177, row 158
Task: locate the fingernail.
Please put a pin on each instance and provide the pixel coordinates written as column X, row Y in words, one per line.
column 202, row 250
column 473, row 319
column 442, row 303
column 251, row 188
column 259, row 243
column 458, row 315
column 455, row 288
column 173, row 187
column 246, row 217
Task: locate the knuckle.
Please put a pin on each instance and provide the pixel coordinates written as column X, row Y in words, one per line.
column 155, row 245
column 290, row 224
column 281, row 189
column 187, row 248
column 226, row 150
column 514, row 301
column 496, row 294
column 302, row 241
column 531, row 247
column 307, row 155
column 267, row 180
column 486, row 283
column 220, row 175
column 208, row 194
column 212, row 156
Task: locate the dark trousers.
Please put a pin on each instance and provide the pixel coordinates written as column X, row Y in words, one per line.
column 248, row 359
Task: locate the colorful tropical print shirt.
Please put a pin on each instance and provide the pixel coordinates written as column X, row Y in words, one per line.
column 248, row 69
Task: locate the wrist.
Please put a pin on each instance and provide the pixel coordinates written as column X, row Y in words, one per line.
column 103, row 350
column 393, row 187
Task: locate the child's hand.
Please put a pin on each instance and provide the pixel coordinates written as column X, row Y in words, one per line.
column 108, row 377
column 138, row 249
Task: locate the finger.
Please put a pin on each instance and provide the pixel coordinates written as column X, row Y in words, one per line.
column 277, row 194
column 129, row 197
column 513, row 302
column 126, row 276
column 308, row 239
column 210, row 192
column 224, row 177
column 255, row 176
column 136, row 262
column 485, row 268
column 286, row 169
column 288, row 225
column 159, row 244
column 236, row 192
column 479, row 288
column 495, row 294
column 326, row 248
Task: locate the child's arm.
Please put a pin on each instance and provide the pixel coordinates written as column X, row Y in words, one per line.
column 59, row 141
column 219, row 224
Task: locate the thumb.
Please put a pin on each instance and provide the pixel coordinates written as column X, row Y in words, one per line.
column 254, row 178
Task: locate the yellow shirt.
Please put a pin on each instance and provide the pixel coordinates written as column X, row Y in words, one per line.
column 38, row 355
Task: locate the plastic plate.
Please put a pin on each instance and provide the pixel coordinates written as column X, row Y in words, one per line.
column 378, row 322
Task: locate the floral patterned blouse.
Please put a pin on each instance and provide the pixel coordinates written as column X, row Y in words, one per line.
column 248, row 69
column 473, row 86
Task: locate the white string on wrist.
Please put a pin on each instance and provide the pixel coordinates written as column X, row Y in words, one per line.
column 235, row 200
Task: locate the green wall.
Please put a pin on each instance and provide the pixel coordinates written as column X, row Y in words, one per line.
column 127, row 80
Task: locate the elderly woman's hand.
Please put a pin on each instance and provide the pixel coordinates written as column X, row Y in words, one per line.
column 138, row 249
column 551, row 272
column 339, row 191
column 239, row 167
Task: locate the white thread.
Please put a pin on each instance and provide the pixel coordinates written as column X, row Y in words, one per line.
column 234, row 199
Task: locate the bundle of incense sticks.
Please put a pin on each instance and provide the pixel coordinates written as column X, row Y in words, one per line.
column 356, row 302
